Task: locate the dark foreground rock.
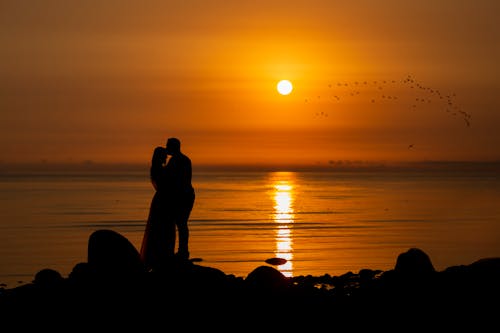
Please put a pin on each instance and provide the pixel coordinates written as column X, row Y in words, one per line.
column 113, row 290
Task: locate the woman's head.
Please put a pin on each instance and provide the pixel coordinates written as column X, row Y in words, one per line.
column 159, row 156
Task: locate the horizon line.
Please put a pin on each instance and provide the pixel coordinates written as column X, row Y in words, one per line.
column 339, row 165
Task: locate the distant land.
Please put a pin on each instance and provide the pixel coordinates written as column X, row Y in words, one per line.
column 338, row 165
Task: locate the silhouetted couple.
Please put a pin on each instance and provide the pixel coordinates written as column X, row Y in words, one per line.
column 170, row 207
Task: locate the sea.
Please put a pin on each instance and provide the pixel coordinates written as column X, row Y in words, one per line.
column 327, row 221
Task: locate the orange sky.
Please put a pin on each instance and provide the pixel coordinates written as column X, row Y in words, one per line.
column 106, row 81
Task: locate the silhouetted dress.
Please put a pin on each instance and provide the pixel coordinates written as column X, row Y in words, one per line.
column 158, row 243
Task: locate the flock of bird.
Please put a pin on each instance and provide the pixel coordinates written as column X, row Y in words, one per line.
column 416, row 95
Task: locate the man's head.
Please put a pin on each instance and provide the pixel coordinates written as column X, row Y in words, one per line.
column 173, row 146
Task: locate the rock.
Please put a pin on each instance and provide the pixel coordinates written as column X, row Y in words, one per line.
column 267, row 278
column 415, row 263
column 48, row 278
column 490, row 266
column 111, row 254
column 276, row 261
column 460, row 295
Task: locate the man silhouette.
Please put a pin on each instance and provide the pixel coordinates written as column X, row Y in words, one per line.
column 179, row 174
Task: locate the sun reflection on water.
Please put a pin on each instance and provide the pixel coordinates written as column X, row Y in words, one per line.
column 283, row 195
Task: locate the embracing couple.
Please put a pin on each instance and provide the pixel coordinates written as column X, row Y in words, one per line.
column 170, row 207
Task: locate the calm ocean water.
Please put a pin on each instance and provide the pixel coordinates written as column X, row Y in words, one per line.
column 322, row 222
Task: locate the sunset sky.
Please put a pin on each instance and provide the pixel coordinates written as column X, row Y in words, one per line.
column 107, row 81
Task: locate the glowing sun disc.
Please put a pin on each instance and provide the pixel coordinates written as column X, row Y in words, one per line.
column 284, row 87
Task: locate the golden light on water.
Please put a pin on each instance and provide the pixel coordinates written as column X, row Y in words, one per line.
column 283, row 194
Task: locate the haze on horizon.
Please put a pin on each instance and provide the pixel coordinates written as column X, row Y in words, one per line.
column 107, row 81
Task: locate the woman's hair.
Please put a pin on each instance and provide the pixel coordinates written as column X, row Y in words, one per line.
column 159, row 156
column 157, row 161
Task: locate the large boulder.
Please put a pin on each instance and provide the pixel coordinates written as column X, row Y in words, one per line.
column 414, row 263
column 48, row 278
column 268, row 279
column 111, row 254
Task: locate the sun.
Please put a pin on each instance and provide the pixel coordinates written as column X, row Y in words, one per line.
column 284, row 87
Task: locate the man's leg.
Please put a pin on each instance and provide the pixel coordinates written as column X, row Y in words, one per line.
column 183, row 229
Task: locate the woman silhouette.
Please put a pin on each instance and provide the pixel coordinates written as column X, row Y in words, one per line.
column 158, row 243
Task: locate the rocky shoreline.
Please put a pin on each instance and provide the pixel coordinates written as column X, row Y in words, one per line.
column 112, row 287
